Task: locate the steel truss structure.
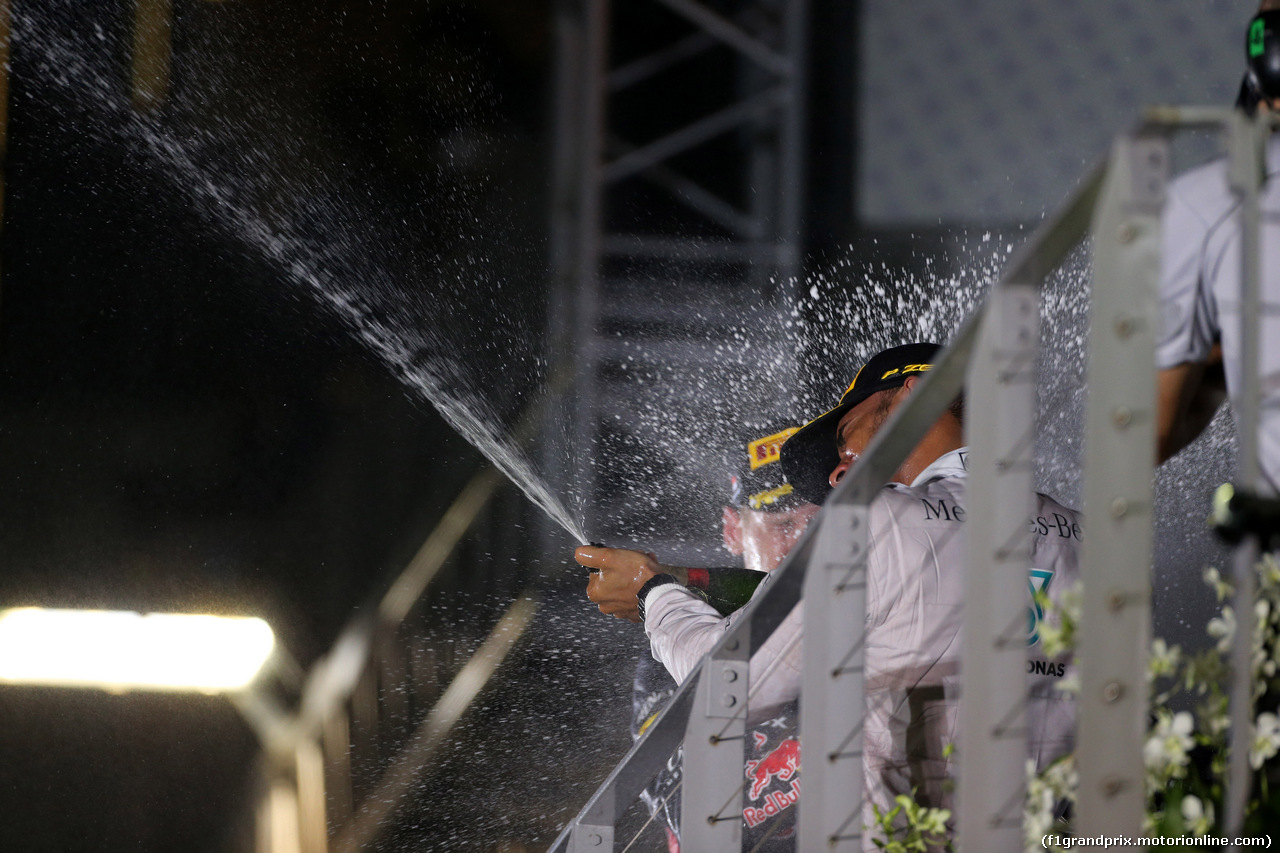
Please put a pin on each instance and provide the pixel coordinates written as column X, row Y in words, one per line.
column 646, row 253
column 1119, row 206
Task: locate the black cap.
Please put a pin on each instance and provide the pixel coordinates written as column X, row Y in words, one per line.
column 758, row 481
column 809, row 455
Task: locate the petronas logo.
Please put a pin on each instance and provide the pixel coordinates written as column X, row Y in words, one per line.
column 1039, row 581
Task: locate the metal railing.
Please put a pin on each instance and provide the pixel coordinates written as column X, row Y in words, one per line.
column 370, row 718
column 1119, row 204
column 376, row 709
column 359, row 699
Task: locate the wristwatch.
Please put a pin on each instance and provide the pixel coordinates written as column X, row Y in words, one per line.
column 650, row 585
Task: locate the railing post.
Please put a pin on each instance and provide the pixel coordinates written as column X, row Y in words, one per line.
column 833, row 695
column 1001, row 438
column 711, row 793
column 313, row 825
column 593, row 828
column 594, row 834
column 1245, row 142
column 1119, row 450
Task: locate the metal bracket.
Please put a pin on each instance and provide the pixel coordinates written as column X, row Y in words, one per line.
column 711, row 795
column 1149, row 170
column 591, row 839
column 728, row 687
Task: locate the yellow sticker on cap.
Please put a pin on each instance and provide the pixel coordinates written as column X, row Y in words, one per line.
column 909, row 368
column 762, row 451
column 760, row 500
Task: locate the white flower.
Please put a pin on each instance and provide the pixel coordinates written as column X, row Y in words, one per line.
column 1063, row 777
column 1268, row 573
column 1057, row 629
column 1045, row 790
column 1223, row 588
column 1261, row 610
column 1197, row 815
column 1224, row 628
column 1053, row 639
column 1165, row 752
column 1164, row 659
column 1266, row 739
column 1218, row 724
column 1071, row 604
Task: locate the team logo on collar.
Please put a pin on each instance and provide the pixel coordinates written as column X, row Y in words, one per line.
column 762, row 451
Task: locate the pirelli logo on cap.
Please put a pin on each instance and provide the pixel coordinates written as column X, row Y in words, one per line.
column 762, row 451
column 905, row 369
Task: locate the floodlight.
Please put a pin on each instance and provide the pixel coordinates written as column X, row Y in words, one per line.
column 118, row 650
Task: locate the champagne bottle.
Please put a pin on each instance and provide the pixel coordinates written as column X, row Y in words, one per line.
column 725, row 589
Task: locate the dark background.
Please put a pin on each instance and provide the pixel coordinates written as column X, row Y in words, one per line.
column 181, row 429
column 184, row 428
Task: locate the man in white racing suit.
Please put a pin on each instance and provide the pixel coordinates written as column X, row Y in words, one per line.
column 916, row 585
column 761, row 523
column 1200, row 280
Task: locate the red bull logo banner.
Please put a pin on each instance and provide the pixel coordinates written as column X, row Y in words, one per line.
column 773, row 783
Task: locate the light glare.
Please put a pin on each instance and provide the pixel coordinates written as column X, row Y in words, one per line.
column 119, row 650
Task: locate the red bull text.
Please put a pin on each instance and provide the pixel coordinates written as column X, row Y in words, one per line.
column 782, row 764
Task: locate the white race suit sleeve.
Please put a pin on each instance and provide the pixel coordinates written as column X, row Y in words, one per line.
column 682, row 628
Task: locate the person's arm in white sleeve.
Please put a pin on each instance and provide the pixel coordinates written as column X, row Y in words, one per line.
column 680, row 624
column 1188, row 320
column 682, row 628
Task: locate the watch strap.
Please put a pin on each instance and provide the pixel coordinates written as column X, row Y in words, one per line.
column 649, row 586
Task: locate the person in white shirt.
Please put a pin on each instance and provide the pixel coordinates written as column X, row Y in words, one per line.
column 1200, row 279
column 761, row 523
column 916, row 584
